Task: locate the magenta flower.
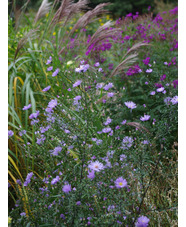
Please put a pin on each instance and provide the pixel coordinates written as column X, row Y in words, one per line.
column 67, row 188
column 146, row 61
column 120, row 182
column 145, row 118
column 142, row 222
column 27, row 107
column 163, row 77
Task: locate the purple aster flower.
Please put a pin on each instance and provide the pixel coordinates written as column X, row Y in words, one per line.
column 131, row 105
column 152, row 93
column 55, row 72
column 160, row 89
column 56, row 150
column 67, row 188
column 97, row 64
column 62, row 216
column 46, row 88
column 50, row 68
column 78, row 203
column 108, row 86
column 27, row 107
column 174, row 100
column 165, row 63
column 23, row 132
column 18, row 182
column 106, row 130
column 49, row 60
column 108, row 121
column 146, row 82
column 55, row 180
column 148, row 70
column 167, row 100
column 127, row 142
column 10, row 133
column 99, row 86
column 52, row 103
column 122, row 157
column 91, row 174
column 100, row 70
column 111, row 94
column 67, row 131
column 142, row 222
column 117, row 127
column 96, row 166
column 28, row 178
column 98, row 142
column 145, row 118
column 77, row 83
column 123, row 122
column 34, row 115
column 23, row 214
column 120, row 182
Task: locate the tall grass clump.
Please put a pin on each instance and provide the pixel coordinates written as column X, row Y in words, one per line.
column 93, row 118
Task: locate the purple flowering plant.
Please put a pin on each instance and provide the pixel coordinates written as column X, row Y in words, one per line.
column 88, row 159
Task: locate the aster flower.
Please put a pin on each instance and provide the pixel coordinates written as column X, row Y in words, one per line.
column 55, row 180
column 108, row 121
column 67, row 188
column 77, row 83
column 127, row 142
column 52, row 103
column 123, row 122
column 91, row 174
column 28, row 178
column 46, row 88
column 174, row 100
column 111, row 94
column 152, row 93
column 27, row 107
column 163, row 77
column 50, row 68
column 131, row 105
column 148, row 70
column 142, row 221
column 120, row 182
column 97, row 64
column 55, row 72
column 49, row 60
column 145, row 118
column 34, row 115
column 106, row 130
column 78, row 203
column 167, row 100
column 56, row 150
column 160, row 89
column 10, row 133
column 96, row 166
column 108, row 86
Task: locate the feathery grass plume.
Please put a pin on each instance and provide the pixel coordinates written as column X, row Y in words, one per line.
column 103, row 33
column 62, row 12
column 89, row 17
column 129, row 60
column 76, row 8
column 23, row 41
column 138, row 126
column 43, row 10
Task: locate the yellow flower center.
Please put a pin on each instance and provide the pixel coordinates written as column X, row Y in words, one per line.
column 96, row 166
column 120, row 183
